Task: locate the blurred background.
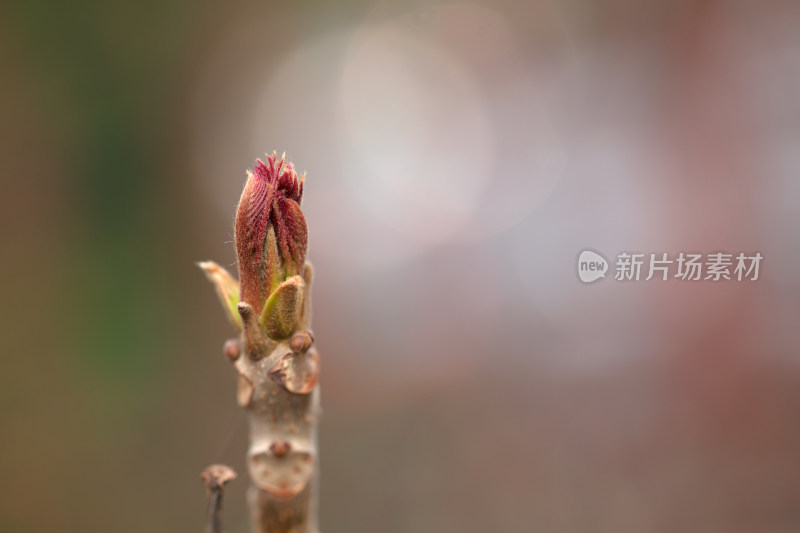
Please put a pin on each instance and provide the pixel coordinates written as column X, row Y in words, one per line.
column 459, row 156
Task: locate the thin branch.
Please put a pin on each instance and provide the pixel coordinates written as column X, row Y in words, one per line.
column 215, row 478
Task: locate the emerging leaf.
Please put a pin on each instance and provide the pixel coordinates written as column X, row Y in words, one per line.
column 282, row 309
column 227, row 290
column 271, row 233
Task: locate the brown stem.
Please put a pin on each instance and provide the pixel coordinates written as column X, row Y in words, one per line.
column 278, row 387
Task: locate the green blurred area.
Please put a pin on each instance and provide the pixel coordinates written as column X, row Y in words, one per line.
column 108, row 77
column 96, row 91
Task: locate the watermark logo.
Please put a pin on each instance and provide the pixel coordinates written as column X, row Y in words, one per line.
column 634, row 266
column 591, row 266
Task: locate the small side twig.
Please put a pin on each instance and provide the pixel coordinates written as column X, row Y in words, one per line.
column 215, row 478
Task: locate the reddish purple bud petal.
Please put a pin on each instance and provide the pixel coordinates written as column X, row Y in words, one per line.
column 271, row 234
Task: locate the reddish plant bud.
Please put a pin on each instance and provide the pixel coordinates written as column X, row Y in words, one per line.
column 271, row 234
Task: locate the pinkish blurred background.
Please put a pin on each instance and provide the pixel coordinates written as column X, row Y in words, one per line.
column 459, row 156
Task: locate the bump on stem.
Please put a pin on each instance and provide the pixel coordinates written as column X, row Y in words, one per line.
column 254, row 336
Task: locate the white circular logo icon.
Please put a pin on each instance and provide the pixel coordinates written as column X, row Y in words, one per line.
column 591, row 266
